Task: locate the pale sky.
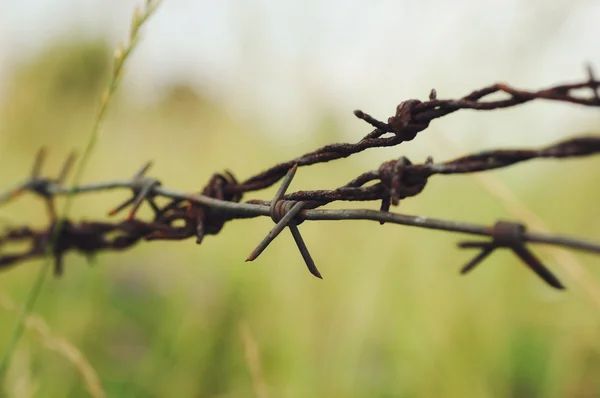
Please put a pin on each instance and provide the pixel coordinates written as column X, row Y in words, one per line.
column 282, row 61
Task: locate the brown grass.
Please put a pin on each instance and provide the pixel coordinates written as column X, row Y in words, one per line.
column 60, row 345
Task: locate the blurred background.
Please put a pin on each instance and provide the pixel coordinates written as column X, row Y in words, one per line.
column 245, row 84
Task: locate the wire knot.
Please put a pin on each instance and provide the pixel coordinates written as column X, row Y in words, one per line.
column 207, row 221
column 398, row 182
column 508, row 234
column 280, row 208
column 219, row 187
column 403, row 122
column 197, row 220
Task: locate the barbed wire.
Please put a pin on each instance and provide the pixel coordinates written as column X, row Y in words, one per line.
column 189, row 215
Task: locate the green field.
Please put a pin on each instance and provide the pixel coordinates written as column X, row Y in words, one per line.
column 392, row 317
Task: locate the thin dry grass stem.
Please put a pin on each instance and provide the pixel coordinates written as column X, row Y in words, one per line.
column 252, row 357
column 140, row 16
column 60, row 345
column 19, row 381
column 574, row 269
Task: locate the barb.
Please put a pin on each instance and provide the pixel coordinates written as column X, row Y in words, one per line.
column 510, row 235
column 142, row 190
column 283, row 213
column 41, row 186
column 199, row 214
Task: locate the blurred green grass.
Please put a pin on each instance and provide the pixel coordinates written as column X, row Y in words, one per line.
column 392, row 318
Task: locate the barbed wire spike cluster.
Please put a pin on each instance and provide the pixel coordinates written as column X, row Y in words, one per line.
column 42, row 186
column 196, row 215
column 283, row 213
column 142, row 190
column 509, row 235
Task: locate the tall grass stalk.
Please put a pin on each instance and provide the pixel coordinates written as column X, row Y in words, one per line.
column 62, row 346
column 140, row 17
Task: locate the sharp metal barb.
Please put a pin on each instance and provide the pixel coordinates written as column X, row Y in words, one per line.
column 385, row 206
column 36, row 171
column 592, row 79
column 199, row 233
column 142, row 190
column 154, row 206
column 121, row 206
column 66, row 167
column 476, row 245
column 379, row 125
column 51, row 209
column 285, row 183
column 284, row 221
column 432, row 94
column 486, row 251
column 143, row 170
column 310, row 264
column 143, row 194
column 536, row 266
column 14, row 193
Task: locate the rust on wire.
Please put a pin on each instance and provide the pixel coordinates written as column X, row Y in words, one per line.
column 187, row 215
column 413, row 116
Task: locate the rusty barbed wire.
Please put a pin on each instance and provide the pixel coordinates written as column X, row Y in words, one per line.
column 196, row 215
column 413, row 116
column 400, row 178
